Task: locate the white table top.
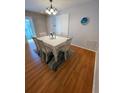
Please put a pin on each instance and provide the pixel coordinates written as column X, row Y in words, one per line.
column 53, row 42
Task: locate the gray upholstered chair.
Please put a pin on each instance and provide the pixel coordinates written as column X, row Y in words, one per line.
column 42, row 34
column 37, row 45
column 44, row 50
column 67, row 47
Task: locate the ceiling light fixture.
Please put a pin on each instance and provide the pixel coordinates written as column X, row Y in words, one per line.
column 51, row 10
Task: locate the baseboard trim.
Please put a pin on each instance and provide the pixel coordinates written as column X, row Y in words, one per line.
column 84, row 48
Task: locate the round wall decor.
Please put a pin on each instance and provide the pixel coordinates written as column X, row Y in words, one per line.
column 84, row 20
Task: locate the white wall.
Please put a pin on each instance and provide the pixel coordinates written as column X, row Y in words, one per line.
column 85, row 36
column 51, row 23
column 62, row 24
column 58, row 24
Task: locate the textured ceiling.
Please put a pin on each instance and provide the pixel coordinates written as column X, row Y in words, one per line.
column 41, row 5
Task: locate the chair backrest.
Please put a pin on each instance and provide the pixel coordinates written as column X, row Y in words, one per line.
column 42, row 46
column 42, row 34
column 36, row 43
column 68, row 44
column 65, row 46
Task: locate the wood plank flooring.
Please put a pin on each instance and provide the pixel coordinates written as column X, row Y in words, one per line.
column 74, row 76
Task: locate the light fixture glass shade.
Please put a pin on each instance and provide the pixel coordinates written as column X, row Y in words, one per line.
column 47, row 11
column 55, row 12
column 51, row 10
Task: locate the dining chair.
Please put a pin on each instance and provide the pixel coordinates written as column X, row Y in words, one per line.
column 44, row 51
column 37, row 45
column 42, row 34
column 66, row 48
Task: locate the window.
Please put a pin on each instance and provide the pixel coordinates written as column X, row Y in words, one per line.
column 29, row 30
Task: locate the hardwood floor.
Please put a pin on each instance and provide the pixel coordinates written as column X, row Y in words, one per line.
column 75, row 75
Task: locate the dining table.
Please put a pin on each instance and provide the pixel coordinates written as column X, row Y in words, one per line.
column 55, row 44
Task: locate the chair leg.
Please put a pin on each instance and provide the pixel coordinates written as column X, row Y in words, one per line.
column 42, row 56
column 38, row 52
column 46, row 59
column 65, row 55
